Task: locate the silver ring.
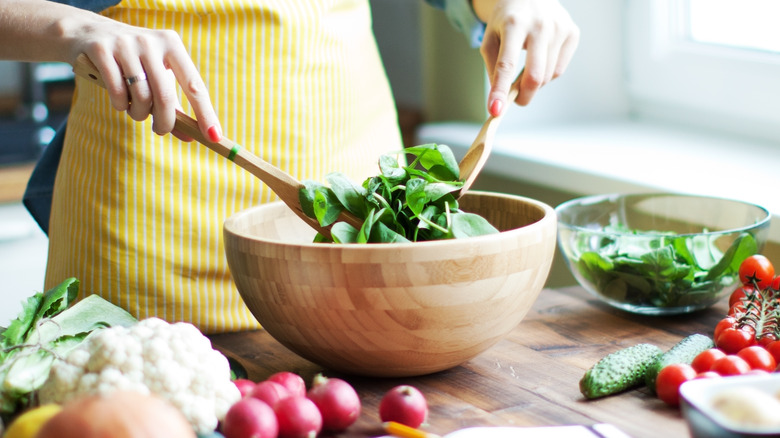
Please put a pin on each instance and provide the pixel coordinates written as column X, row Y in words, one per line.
column 137, row 78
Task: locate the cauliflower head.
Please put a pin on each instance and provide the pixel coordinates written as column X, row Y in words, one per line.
column 173, row 361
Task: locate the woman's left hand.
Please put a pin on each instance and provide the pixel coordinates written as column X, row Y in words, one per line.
column 543, row 28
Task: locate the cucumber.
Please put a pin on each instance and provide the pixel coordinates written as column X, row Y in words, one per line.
column 683, row 352
column 619, row 371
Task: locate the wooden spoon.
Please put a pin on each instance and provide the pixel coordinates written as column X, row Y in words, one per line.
column 476, row 156
column 283, row 184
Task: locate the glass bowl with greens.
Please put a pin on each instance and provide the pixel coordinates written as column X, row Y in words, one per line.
column 659, row 253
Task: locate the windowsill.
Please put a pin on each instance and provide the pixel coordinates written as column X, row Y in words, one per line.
column 627, row 156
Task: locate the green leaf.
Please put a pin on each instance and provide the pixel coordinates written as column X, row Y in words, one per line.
column 743, row 247
column 326, row 206
column 351, row 196
column 306, row 196
column 391, row 170
column 37, row 307
column 342, row 232
column 435, row 191
column 469, row 224
column 382, row 234
column 437, row 159
column 416, row 197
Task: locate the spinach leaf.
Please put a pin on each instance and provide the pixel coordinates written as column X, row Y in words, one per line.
column 665, row 272
column 405, row 202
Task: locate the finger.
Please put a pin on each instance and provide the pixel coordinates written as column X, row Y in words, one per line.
column 164, row 98
column 111, row 73
column 137, row 82
column 489, row 50
column 505, row 71
column 534, row 73
column 195, row 90
column 566, row 53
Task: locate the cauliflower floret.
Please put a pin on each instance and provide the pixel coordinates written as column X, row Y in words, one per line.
column 173, row 361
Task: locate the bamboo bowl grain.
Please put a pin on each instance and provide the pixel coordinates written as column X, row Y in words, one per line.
column 392, row 310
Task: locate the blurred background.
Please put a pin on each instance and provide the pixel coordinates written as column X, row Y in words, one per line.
column 668, row 95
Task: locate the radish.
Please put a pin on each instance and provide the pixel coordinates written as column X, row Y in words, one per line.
column 250, row 418
column 293, row 382
column 244, row 386
column 269, row 392
column 337, row 401
column 404, row 404
column 298, row 417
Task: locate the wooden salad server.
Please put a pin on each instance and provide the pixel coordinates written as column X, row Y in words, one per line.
column 283, row 184
column 476, row 156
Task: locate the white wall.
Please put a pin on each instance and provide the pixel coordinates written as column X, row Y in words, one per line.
column 398, row 34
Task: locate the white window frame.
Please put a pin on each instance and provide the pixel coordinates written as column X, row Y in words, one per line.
column 716, row 87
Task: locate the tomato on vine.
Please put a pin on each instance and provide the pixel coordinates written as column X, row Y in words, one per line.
column 774, row 349
column 740, row 294
column 727, row 322
column 758, row 358
column 734, row 339
column 757, row 270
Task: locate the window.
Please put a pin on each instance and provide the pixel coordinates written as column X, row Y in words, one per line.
column 753, row 26
column 712, row 63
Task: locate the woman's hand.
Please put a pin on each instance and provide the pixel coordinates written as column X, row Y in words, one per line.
column 541, row 27
column 140, row 68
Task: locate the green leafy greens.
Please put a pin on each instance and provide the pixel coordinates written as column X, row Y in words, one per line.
column 673, row 271
column 404, row 203
column 49, row 325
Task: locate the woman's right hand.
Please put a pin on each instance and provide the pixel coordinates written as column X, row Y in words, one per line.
column 155, row 60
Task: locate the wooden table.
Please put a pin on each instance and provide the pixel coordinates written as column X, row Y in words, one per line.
column 528, row 379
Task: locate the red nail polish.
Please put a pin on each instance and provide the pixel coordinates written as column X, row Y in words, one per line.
column 495, row 108
column 215, row 134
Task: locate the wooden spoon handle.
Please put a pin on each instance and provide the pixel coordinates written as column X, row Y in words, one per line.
column 283, row 184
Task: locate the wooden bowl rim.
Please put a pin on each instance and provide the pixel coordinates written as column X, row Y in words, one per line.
column 549, row 215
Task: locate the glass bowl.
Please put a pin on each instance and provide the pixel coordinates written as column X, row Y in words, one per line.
column 659, row 253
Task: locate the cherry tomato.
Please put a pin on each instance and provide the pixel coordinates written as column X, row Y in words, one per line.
column 775, row 283
column 774, row 349
column 766, row 339
column 727, row 322
column 731, row 340
column 758, row 358
column 731, row 365
column 704, row 360
column 757, row 270
column 667, row 384
column 708, row 375
column 739, row 294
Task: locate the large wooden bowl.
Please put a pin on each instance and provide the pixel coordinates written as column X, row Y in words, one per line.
column 392, row 310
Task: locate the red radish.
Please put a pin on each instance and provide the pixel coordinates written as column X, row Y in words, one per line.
column 298, row 417
column 244, row 386
column 293, row 382
column 269, row 392
column 337, row 401
column 404, row 404
column 250, row 418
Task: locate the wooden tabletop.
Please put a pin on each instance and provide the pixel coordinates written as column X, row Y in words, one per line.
column 529, row 379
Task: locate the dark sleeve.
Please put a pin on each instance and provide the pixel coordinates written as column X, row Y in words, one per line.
column 90, row 5
column 461, row 15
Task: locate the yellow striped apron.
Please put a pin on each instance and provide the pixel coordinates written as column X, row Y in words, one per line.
column 137, row 218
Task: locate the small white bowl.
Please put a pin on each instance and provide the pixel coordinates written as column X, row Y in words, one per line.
column 705, row 420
